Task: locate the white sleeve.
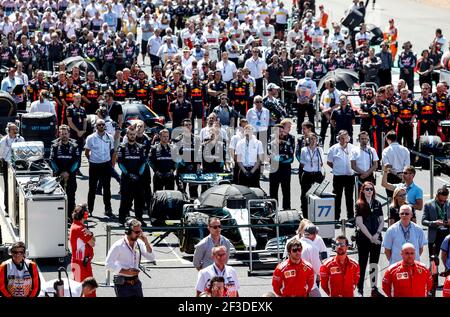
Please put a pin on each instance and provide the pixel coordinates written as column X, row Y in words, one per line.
column 148, row 255
column 260, row 148
column 302, row 156
column 111, row 260
column 201, row 281
column 375, row 155
column 330, row 155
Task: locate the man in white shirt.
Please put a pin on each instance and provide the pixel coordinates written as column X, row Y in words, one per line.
column 259, row 117
column 316, row 34
column 43, row 104
column 311, row 254
column 364, row 160
column 397, row 157
column 294, row 33
column 167, row 50
column 227, row 68
column 339, row 160
column 333, row 39
column 249, row 152
column 124, row 259
column 218, row 268
column 212, row 36
column 153, row 46
column 257, row 67
column 99, row 150
column 329, row 100
column 266, row 32
column 5, row 155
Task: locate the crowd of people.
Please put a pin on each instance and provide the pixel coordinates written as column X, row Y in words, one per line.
column 216, row 72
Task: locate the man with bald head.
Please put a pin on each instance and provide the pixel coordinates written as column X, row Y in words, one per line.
column 408, row 277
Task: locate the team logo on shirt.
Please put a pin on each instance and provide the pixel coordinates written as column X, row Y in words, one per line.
column 335, row 270
column 290, row 273
column 402, row 276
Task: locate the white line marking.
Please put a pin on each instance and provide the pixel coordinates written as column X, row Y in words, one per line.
column 183, row 261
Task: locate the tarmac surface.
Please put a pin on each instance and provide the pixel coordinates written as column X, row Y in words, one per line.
column 173, row 274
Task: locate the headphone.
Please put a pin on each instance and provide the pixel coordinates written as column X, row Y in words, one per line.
column 342, row 133
column 11, row 125
column 407, row 43
column 82, row 213
column 16, row 245
column 129, row 224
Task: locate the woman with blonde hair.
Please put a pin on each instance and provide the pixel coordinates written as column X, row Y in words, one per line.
column 398, row 200
column 318, row 241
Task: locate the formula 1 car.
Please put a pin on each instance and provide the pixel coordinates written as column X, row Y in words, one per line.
column 231, row 204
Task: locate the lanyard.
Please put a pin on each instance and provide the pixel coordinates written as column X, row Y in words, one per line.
column 311, row 157
column 218, row 273
column 133, row 253
column 440, row 210
column 406, row 234
column 369, row 152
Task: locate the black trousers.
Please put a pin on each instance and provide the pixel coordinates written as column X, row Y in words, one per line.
column 307, row 179
column 385, row 77
column 164, row 182
column 405, row 133
column 301, row 109
column 341, row 183
column 5, row 183
column 80, row 144
column 100, row 172
column 259, row 86
column 146, row 183
column 154, row 60
column 281, row 177
column 70, row 188
column 435, row 247
column 409, row 78
column 367, row 251
column 131, row 191
column 252, row 180
column 393, row 179
column 369, row 178
column 324, row 123
column 128, row 290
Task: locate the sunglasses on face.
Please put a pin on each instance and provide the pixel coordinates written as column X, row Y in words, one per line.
column 221, row 254
column 401, row 195
column 137, row 232
column 100, row 125
column 17, row 252
column 258, row 101
column 368, row 189
column 296, row 250
column 341, row 244
column 216, row 227
column 404, row 213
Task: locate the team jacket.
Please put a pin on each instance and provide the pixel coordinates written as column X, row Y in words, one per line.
column 401, row 280
column 293, row 280
column 337, row 280
column 131, row 159
column 64, row 157
column 12, row 285
column 426, row 109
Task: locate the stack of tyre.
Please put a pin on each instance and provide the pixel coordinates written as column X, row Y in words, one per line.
column 39, row 126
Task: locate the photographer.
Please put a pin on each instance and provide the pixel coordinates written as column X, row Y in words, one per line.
column 124, row 260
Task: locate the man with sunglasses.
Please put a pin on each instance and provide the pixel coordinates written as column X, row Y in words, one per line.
column 218, row 268
column 202, row 253
column 99, row 151
column 401, row 232
column 19, row 277
column 339, row 275
column 293, row 277
column 407, row 277
column 414, row 194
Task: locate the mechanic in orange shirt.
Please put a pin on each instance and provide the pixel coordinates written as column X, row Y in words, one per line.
column 390, row 36
column 293, row 277
column 407, row 278
column 339, row 275
column 82, row 242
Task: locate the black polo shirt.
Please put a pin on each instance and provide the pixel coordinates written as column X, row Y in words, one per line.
column 344, row 119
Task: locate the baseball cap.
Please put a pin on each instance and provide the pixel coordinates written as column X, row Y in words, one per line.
column 157, row 67
column 311, row 229
column 272, row 86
